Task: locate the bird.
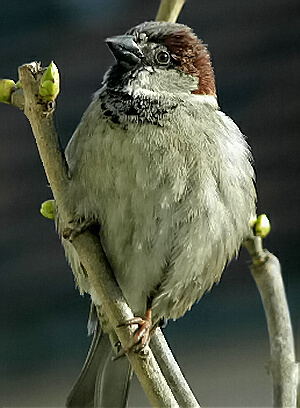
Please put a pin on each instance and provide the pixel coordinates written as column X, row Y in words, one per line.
column 167, row 179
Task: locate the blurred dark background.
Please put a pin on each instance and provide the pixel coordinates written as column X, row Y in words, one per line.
column 222, row 344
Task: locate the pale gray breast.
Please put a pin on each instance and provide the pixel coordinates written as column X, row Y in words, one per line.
column 213, row 215
column 170, row 198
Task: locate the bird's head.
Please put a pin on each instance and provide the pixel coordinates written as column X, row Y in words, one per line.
column 170, row 54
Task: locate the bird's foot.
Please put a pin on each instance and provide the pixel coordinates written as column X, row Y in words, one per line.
column 76, row 228
column 142, row 336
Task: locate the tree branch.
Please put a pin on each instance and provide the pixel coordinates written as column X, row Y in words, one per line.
column 169, row 10
column 266, row 272
column 88, row 247
column 172, row 372
column 40, row 115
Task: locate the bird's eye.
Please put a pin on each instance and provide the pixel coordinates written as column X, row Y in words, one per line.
column 163, row 57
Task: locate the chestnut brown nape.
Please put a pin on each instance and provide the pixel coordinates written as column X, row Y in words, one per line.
column 194, row 59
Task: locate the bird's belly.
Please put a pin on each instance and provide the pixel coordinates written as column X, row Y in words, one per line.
column 133, row 194
column 137, row 231
column 165, row 227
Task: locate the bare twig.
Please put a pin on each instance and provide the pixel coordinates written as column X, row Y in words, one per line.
column 43, row 129
column 265, row 270
column 172, row 372
column 40, row 115
column 87, row 245
column 169, row 10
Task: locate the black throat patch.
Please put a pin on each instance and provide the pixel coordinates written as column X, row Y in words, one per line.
column 122, row 107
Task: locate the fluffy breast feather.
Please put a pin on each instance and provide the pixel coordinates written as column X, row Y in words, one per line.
column 173, row 199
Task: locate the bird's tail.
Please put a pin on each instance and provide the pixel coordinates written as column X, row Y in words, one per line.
column 103, row 382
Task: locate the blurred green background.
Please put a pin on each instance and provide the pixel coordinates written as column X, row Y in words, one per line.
column 222, row 344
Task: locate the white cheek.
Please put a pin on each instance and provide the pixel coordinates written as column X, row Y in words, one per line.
column 161, row 80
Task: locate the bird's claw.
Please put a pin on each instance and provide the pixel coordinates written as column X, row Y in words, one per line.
column 142, row 336
column 76, row 228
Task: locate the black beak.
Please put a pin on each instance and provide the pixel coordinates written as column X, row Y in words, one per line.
column 125, row 49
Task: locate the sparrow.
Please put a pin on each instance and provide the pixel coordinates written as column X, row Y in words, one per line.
column 168, row 180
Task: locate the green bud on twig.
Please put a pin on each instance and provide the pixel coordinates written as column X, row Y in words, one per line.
column 47, row 209
column 49, row 87
column 6, row 88
column 18, row 85
column 262, row 226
